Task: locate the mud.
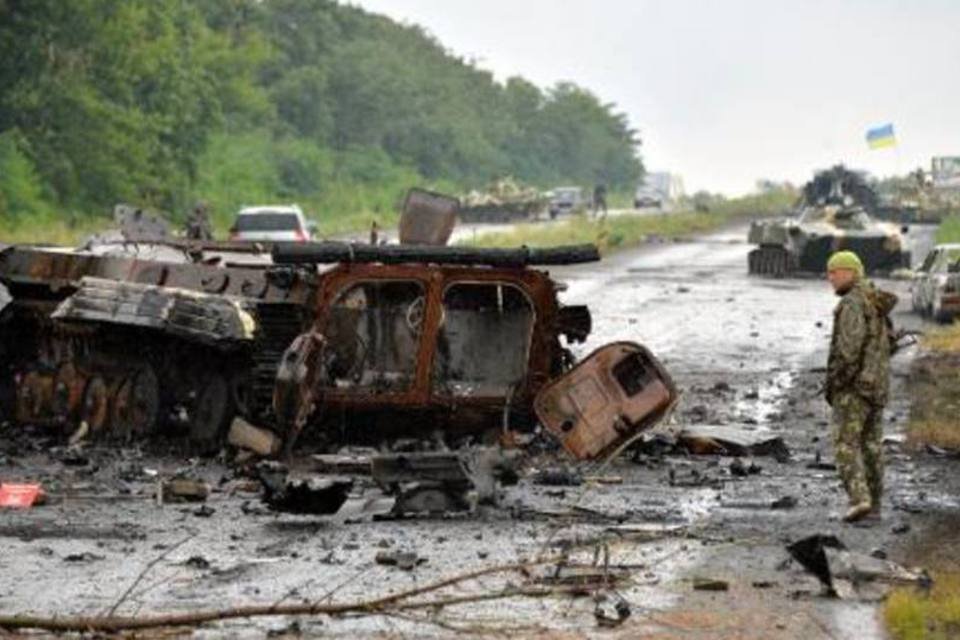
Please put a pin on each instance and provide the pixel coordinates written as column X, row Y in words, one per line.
column 745, row 352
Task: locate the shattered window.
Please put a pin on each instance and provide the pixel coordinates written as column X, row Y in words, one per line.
column 483, row 341
column 374, row 335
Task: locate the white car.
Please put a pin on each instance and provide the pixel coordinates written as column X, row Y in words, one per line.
column 936, row 284
column 272, row 223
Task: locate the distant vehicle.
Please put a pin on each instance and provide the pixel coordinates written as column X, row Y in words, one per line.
column 833, row 214
column 936, row 284
column 564, row 200
column 659, row 190
column 272, row 223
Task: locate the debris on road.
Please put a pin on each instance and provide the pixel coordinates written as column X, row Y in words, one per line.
column 610, row 610
column 183, row 490
column 406, row 560
column 557, row 477
column 21, row 496
column 710, row 584
column 848, row 574
column 311, row 495
column 732, row 441
column 347, row 464
column 244, row 435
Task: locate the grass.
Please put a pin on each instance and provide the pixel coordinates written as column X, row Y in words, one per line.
column 608, row 234
column 619, row 232
column 949, row 230
column 49, row 229
column 935, row 391
column 943, row 339
column 914, row 615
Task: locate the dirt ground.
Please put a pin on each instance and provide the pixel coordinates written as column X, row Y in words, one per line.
column 745, row 352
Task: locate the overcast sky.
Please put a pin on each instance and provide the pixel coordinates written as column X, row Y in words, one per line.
column 730, row 91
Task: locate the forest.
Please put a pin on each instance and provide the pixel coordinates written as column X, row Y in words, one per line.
column 163, row 103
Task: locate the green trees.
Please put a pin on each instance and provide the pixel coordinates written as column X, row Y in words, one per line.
column 163, row 101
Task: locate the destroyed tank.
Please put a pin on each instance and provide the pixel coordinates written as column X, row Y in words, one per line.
column 504, row 200
column 834, row 213
column 137, row 332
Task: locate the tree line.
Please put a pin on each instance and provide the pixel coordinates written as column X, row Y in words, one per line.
column 163, row 102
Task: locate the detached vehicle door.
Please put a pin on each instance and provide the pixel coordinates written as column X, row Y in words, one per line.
column 606, row 400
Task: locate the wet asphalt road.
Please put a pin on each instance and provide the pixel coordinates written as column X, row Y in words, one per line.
column 744, row 352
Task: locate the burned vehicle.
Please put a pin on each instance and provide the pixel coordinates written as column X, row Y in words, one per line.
column 834, row 213
column 457, row 341
column 130, row 337
column 124, row 338
column 935, row 290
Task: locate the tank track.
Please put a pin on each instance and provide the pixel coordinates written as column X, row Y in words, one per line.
column 772, row 262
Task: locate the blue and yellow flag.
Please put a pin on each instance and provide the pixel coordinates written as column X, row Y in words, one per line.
column 880, row 137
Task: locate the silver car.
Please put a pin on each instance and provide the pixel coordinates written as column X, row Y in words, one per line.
column 936, row 284
column 272, row 223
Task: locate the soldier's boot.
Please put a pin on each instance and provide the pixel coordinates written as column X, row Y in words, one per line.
column 857, row 511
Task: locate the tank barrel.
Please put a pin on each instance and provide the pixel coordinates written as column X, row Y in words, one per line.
column 330, row 252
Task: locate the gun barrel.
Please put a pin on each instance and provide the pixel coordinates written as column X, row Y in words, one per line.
column 330, row 252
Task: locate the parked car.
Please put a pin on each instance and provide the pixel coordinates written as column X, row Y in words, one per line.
column 272, row 223
column 936, row 284
column 564, row 200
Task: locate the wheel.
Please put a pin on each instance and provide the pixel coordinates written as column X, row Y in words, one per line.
column 94, row 409
column 136, row 406
column 212, row 410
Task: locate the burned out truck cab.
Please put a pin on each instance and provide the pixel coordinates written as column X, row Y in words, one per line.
column 447, row 340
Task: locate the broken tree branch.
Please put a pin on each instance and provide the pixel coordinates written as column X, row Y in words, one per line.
column 146, row 570
column 392, row 602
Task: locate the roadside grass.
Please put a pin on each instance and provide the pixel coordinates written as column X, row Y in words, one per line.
column 610, row 233
column 911, row 614
column 949, row 230
column 49, row 229
column 623, row 231
column 935, row 390
column 943, row 339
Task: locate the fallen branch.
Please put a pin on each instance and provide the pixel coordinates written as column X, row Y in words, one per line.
column 393, row 602
column 146, row 570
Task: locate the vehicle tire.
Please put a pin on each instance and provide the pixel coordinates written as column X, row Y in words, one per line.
column 212, row 411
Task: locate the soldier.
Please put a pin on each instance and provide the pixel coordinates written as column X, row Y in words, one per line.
column 198, row 223
column 858, row 381
column 600, row 199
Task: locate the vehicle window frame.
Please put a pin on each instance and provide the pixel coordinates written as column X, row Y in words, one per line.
column 349, row 284
column 436, row 391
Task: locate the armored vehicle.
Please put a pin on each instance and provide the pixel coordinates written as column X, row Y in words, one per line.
column 503, row 200
column 129, row 337
column 358, row 342
column 833, row 214
column 458, row 341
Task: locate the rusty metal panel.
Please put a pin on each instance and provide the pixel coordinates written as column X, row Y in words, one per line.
column 212, row 319
column 613, row 394
column 427, row 218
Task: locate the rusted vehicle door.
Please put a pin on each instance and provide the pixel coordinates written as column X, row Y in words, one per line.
column 609, row 397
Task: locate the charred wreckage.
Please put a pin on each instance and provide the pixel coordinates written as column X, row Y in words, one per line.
column 337, row 342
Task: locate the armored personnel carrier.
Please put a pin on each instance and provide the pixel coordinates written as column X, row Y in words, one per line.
column 503, row 200
column 834, row 213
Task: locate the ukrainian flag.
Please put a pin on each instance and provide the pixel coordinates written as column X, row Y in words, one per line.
column 880, row 137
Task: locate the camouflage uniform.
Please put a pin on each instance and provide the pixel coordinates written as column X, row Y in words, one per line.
column 857, row 388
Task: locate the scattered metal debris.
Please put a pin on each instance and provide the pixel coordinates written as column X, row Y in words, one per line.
column 732, row 441
column 184, row 490
column 312, row 495
column 710, row 584
column 406, row 560
column 844, row 573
